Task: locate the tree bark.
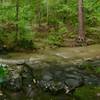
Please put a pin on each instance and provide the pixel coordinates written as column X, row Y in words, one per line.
column 81, row 34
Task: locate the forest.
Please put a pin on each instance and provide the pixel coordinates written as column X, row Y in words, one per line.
column 50, row 49
column 31, row 24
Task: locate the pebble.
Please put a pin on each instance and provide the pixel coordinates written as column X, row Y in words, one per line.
column 98, row 94
column 1, row 93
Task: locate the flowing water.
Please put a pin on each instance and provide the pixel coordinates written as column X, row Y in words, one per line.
column 46, row 80
column 64, row 74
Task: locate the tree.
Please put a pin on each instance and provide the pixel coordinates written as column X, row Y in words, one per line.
column 81, row 34
column 37, row 11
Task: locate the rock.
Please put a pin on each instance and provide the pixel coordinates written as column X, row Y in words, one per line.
column 27, row 82
column 1, row 93
column 3, row 96
column 54, row 78
column 13, row 62
column 27, row 76
column 48, row 76
column 14, row 84
column 98, row 94
column 65, row 79
column 91, row 80
column 29, row 91
column 59, row 80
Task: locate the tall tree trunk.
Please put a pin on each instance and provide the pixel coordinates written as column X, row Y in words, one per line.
column 81, row 34
column 37, row 12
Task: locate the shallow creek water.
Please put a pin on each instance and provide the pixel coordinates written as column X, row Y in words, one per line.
column 64, row 74
column 52, row 81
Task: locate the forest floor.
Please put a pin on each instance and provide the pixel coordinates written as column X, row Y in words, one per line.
column 63, row 53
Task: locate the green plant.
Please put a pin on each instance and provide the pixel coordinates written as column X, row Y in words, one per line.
column 3, row 72
column 59, row 16
column 97, row 70
column 87, row 93
column 26, row 44
column 54, row 39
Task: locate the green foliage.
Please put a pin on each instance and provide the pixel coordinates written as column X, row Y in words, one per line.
column 54, row 39
column 63, row 30
column 87, row 93
column 62, row 15
column 97, row 70
column 26, row 44
column 3, row 72
column 92, row 9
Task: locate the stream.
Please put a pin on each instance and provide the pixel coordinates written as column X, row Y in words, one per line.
column 49, row 80
column 62, row 74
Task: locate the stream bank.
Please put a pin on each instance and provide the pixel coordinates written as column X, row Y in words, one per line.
column 67, row 73
column 50, row 80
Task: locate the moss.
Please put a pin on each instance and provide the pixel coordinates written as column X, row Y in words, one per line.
column 97, row 70
column 87, row 93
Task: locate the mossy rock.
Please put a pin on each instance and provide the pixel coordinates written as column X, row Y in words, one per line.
column 87, row 93
column 97, row 70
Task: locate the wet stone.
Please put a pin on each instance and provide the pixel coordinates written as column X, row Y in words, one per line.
column 65, row 80
column 55, row 79
column 14, row 84
column 3, row 96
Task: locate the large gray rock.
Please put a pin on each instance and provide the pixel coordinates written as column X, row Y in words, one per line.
column 65, row 79
column 51, row 77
